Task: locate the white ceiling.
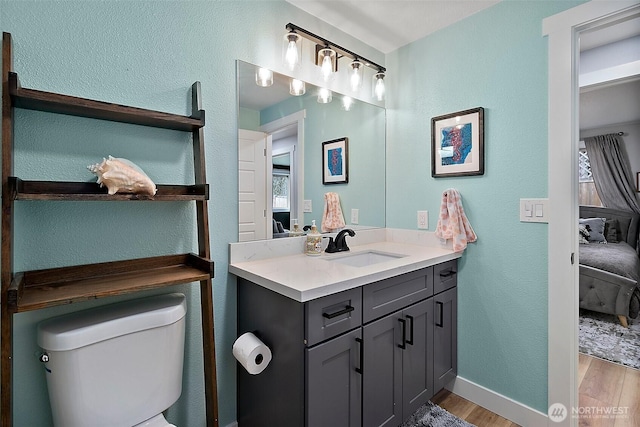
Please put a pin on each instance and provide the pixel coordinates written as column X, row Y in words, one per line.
column 387, row 25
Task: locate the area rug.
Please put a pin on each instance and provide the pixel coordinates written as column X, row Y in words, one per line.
column 601, row 335
column 431, row 415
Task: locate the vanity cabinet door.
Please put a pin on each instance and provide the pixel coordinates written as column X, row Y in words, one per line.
column 382, row 375
column 417, row 356
column 334, row 382
column 445, row 338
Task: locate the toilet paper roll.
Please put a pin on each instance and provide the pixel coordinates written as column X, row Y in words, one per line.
column 253, row 354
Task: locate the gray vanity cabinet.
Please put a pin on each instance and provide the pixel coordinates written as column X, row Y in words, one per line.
column 365, row 357
column 334, row 385
column 445, row 343
column 397, row 377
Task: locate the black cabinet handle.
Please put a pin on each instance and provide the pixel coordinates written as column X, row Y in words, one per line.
column 441, row 310
column 447, row 273
column 404, row 334
column 359, row 369
column 410, row 340
column 347, row 309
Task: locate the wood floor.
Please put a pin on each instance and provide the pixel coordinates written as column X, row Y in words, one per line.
column 469, row 411
column 602, row 386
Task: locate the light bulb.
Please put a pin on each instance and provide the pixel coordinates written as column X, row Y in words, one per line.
column 292, row 50
column 297, row 87
column 378, row 86
column 356, row 75
column 326, row 57
column 324, row 96
column 327, row 68
column 264, row 77
column 347, row 103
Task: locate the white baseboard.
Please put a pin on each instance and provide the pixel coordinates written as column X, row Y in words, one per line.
column 495, row 402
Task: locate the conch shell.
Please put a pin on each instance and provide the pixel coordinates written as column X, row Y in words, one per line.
column 122, row 176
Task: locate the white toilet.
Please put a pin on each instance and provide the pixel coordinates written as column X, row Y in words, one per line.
column 115, row 366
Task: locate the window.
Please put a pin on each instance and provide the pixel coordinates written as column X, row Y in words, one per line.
column 281, row 190
column 587, row 193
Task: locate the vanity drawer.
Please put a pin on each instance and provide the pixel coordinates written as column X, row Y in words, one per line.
column 389, row 295
column 332, row 315
column 445, row 276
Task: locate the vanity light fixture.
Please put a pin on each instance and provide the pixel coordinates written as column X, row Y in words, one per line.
column 324, row 96
column 264, row 77
column 328, row 55
column 378, row 86
column 297, row 87
column 292, row 50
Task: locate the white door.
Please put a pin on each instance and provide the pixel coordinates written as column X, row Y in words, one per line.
column 252, row 188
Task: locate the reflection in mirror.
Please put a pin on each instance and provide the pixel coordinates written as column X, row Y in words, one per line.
column 280, row 153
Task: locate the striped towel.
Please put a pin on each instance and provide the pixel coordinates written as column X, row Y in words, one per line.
column 453, row 223
column 332, row 218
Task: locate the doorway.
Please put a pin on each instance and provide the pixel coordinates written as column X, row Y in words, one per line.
column 563, row 32
column 287, row 136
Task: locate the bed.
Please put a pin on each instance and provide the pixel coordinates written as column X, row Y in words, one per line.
column 610, row 273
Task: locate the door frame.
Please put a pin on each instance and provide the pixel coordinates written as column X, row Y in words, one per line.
column 563, row 31
column 297, row 119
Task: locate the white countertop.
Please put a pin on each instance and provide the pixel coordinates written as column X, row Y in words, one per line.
column 303, row 278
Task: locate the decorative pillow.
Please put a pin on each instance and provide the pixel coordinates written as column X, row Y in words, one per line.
column 596, row 229
column 583, row 234
column 611, row 232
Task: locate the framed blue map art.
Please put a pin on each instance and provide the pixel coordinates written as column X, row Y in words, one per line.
column 335, row 161
column 457, row 144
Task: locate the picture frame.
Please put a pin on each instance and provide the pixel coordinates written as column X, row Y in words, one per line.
column 457, row 144
column 335, row 161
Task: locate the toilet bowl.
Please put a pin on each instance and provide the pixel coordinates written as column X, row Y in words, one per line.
column 115, row 365
column 157, row 421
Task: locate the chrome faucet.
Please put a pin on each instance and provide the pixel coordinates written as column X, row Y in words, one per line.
column 340, row 244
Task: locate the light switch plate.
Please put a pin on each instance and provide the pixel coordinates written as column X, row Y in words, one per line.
column 307, row 206
column 534, row 210
column 355, row 214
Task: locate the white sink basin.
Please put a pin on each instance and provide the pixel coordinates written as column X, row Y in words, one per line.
column 364, row 259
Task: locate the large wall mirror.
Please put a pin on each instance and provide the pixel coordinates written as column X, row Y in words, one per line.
column 280, row 155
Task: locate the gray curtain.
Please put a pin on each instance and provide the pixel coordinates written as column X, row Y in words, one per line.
column 612, row 172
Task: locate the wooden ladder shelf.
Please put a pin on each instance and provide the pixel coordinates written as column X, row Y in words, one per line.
column 34, row 290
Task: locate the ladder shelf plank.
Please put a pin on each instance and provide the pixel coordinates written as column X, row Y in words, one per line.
column 90, row 191
column 32, row 99
column 34, row 290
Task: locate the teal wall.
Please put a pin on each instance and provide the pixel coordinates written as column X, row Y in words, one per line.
column 148, row 53
column 496, row 59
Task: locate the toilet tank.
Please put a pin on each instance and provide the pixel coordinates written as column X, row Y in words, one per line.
column 115, row 365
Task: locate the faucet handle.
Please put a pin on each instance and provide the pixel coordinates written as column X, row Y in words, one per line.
column 331, row 246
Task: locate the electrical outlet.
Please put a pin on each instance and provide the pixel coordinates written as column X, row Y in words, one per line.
column 355, row 213
column 423, row 220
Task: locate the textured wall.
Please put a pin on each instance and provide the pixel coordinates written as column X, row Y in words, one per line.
column 496, row 59
column 146, row 54
column 149, row 53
